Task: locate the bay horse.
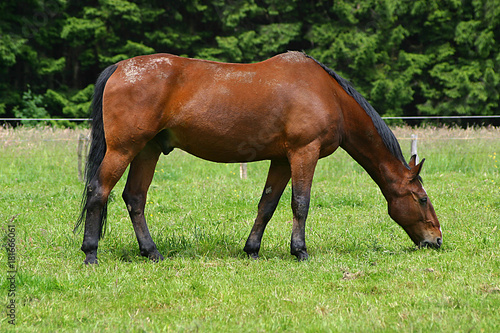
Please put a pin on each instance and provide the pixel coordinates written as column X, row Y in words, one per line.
column 289, row 109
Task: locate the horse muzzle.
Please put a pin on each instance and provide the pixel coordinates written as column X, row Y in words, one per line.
column 436, row 244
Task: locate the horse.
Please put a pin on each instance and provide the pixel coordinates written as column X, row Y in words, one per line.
column 289, row 109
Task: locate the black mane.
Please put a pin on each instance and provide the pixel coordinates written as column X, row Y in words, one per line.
column 383, row 130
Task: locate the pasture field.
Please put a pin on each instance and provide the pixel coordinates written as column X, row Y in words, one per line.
column 363, row 275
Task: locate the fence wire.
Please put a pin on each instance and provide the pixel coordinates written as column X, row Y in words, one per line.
column 384, row 117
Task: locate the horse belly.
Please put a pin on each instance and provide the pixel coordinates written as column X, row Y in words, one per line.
column 233, row 144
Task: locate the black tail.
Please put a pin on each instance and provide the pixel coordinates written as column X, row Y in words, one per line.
column 97, row 147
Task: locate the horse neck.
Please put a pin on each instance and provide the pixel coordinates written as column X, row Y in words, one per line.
column 363, row 143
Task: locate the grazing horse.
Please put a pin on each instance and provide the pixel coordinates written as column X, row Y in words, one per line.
column 290, row 109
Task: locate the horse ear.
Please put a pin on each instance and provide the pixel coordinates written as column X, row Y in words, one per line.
column 413, row 161
column 415, row 169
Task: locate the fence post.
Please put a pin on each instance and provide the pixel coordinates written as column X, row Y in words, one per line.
column 83, row 143
column 243, row 170
column 414, row 138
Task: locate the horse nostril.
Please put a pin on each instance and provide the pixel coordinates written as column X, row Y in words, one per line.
column 430, row 244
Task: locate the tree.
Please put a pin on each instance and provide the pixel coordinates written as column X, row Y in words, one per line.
column 422, row 57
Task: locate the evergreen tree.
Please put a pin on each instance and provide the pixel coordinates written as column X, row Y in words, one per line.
column 408, row 57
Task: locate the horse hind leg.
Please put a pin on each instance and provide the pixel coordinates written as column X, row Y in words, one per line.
column 99, row 188
column 277, row 178
column 135, row 193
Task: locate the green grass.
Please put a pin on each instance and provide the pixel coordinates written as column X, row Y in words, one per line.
column 364, row 274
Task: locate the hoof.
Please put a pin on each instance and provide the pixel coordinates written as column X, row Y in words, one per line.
column 253, row 255
column 301, row 255
column 90, row 261
column 154, row 256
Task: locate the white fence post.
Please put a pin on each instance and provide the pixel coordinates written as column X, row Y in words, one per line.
column 414, row 138
column 83, row 145
column 243, row 170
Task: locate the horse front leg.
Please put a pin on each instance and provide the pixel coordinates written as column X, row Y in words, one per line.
column 303, row 163
column 139, row 178
column 277, row 178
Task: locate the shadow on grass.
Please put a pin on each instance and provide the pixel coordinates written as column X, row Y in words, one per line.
column 182, row 246
column 202, row 243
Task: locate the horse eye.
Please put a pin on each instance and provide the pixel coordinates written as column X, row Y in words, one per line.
column 423, row 200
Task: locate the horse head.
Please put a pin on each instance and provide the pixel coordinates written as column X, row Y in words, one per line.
column 412, row 209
